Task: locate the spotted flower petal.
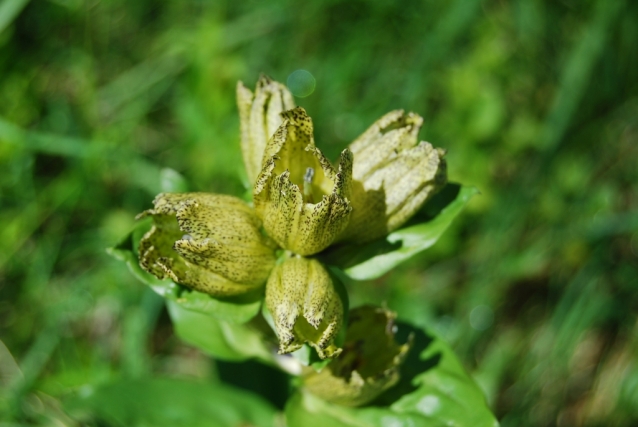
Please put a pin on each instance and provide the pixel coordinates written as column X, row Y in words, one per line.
column 259, row 115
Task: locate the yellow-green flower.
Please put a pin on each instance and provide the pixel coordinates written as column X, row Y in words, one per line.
column 369, row 363
column 301, row 198
column 393, row 176
column 208, row 242
column 305, row 306
column 302, row 204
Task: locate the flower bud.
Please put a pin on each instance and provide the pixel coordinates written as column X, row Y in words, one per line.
column 305, row 306
column 301, row 198
column 392, row 176
column 259, row 116
column 210, row 243
column 369, row 363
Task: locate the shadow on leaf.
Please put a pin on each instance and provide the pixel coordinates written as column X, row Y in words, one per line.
column 411, row 367
column 348, row 255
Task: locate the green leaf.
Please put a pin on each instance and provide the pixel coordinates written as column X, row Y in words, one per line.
column 434, row 390
column 221, row 339
column 369, row 261
column 170, row 403
column 237, row 310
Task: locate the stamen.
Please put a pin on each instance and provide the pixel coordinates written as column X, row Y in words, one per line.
column 309, row 175
column 307, row 184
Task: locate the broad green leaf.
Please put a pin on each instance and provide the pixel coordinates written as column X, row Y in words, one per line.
column 221, row 339
column 170, row 403
column 237, row 310
column 434, row 390
column 369, row 261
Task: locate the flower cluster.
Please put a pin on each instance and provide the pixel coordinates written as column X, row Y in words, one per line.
column 302, row 204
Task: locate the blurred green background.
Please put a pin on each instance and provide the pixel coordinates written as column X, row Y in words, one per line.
column 535, row 285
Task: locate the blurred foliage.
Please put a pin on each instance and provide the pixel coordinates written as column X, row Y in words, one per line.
column 164, row 402
column 535, row 286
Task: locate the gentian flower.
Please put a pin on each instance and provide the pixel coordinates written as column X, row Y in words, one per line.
column 302, row 204
column 392, row 176
column 369, row 363
column 305, row 305
column 208, row 242
column 301, row 198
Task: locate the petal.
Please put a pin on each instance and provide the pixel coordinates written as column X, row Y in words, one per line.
column 158, row 258
column 224, row 238
column 259, row 116
column 293, row 145
column 381, row 142
column 303, row 228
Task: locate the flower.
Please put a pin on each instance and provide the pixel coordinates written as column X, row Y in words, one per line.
column 392, row 176
column 369, row 363
column 303, row 221
column 222, row 246
column 208, row 242
column 305, row 306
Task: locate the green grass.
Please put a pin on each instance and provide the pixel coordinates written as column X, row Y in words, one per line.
column 535, row 286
